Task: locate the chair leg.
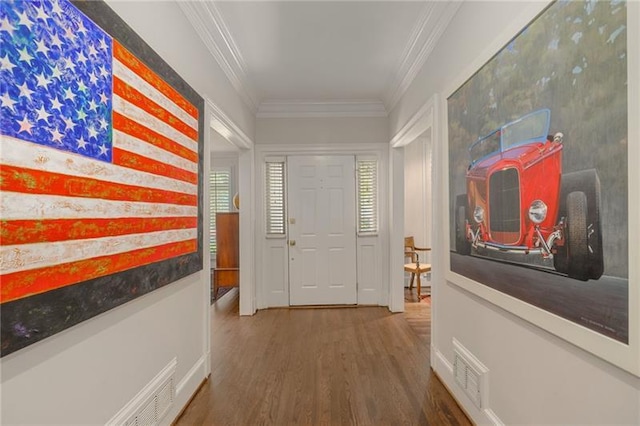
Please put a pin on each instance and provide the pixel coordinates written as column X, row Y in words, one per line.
column 418, row 274
column 411, row 281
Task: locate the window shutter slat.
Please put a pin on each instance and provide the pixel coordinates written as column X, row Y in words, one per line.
column 367, row 181
column 219, row 201
column 275, row 193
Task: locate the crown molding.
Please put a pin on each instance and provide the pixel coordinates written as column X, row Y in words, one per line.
column 221, row 123
column 319, row 109
column 209, row 25
column 434, row 19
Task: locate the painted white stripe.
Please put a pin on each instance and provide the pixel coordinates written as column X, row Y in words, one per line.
column 137, row 146
column 23, row 257
column 37, row 157
column 141, row 116
column 132, row 79
column 15, row 205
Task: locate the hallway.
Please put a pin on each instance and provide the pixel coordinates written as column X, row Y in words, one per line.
column 319, row 367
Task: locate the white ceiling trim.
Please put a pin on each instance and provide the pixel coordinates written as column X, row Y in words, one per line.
column 209, row 25
column 434, row 19
column 318, row 109
column 221, row 123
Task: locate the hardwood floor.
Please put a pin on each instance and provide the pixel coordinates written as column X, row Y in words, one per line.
column 340, row 366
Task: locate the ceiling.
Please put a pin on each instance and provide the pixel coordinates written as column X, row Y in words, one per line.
column 317, row 57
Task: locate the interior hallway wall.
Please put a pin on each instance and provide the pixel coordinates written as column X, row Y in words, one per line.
column 89, row 372
column 535, row 377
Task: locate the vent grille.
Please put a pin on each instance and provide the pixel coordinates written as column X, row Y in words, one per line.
column 504, row 201
column 470, row 374
column 152, row 403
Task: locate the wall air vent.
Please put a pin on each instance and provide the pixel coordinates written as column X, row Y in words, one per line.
column 152, row 403
column 470, row 374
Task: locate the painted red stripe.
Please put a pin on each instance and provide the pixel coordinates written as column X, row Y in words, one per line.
column 133, row 63
column 49, row 230
column 137, row 130
column 19, row 179
column 138, row 99
column 145, row 164
column 22, row 284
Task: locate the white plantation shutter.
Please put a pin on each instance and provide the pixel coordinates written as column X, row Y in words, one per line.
column 367, row 181
column 275, row 198
column 220, row 201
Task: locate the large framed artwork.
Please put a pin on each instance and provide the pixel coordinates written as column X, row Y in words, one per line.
column 539, row 184
column 101, row 168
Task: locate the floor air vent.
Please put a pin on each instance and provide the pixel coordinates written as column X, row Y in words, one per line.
column 470, row 374
column 152, row 403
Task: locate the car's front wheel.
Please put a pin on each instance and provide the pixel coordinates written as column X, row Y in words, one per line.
column 577, row 236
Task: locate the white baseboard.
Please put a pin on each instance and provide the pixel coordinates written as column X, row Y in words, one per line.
column 444, row 370
column 187, row 388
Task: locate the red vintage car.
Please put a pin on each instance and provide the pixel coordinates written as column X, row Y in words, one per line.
column 520, row 208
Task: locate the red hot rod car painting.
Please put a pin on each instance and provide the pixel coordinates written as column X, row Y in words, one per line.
column 520, row 208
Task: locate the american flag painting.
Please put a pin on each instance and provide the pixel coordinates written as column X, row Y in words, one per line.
column 99, row 178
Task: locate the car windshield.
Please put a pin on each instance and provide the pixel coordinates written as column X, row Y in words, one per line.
column 531, row 127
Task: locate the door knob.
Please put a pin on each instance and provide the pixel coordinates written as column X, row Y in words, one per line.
column 292, row 242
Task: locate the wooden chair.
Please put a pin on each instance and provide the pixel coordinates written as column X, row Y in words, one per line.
column 414, row 267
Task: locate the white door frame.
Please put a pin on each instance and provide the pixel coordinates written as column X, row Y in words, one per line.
column 222, row 124
column 424, row 120
column 380, row 150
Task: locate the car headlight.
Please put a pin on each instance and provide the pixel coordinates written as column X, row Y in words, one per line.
column 478, row 214
column 537, row 211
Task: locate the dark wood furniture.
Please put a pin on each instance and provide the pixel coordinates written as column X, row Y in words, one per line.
column 227, row 272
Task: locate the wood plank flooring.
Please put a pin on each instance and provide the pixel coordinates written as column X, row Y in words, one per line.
column 347, row 366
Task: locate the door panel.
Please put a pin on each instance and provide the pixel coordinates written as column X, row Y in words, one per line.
column 322, row 230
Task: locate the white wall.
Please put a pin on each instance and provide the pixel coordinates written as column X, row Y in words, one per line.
column 328, row 130
column 535, row 377
column 89, row 372
column 417, row 190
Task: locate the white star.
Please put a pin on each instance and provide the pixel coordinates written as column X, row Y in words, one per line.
column 42, row 14
column 103, row 45
column 92, row 105
column 81, row 86
column 81, row 28
column 68, row 94
column 43, row 81
column 57, row 9
column 102, row 124
column 25, row 56
column 43, row 114
column 92, row 133
column 68, row 63
column 55, row 104
column 93, row 78
column 25, row 91
column 42, row 47
column 55, row 72
column 5, row 25
column 25, row 125
column 103, row 150
column 82, row 144
column 56, row 136
column 104, row 73
column 6, row 64
column 68, row 32
column 92, row 50
column 81, row 57
column 55, row 41
column 24, row 20
column 103, row 98
column 7, row 101
column 68, row 123
column 82, row 115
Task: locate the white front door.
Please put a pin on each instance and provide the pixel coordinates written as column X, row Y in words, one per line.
column 322, row 230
